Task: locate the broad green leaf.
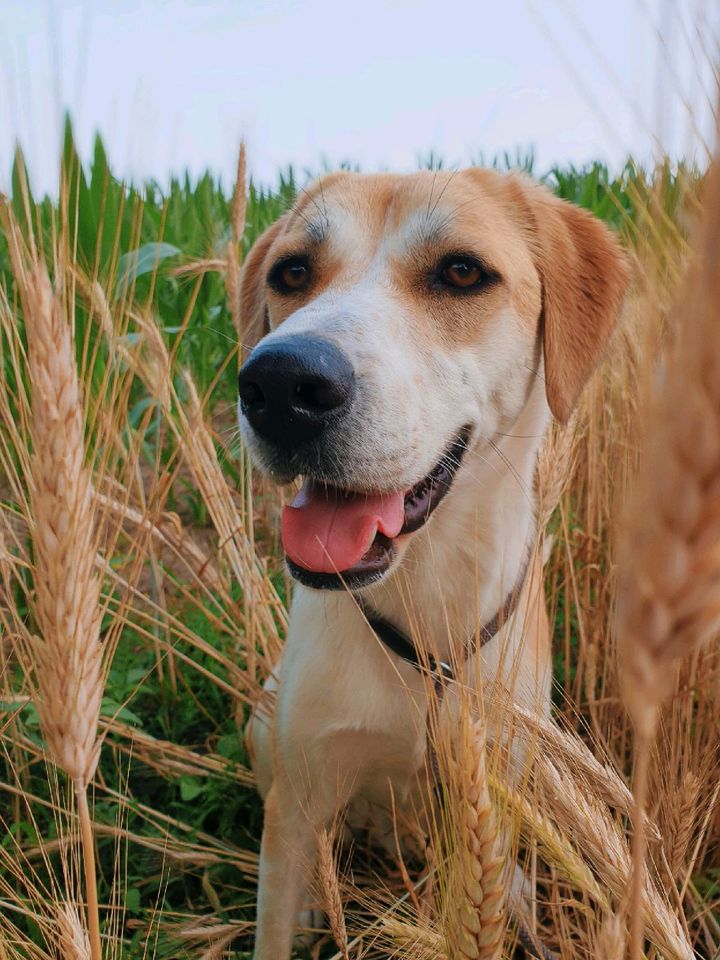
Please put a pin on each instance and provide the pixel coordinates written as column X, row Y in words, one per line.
column 145, row 259
column 190, row 787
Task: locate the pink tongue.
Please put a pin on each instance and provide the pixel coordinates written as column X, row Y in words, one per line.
column 328, row 531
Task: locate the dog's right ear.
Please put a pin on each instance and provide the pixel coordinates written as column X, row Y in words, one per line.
column 253, row 305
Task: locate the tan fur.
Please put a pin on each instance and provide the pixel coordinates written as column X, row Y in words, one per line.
column 584, row 275
column 253, row 309
column 350, row 721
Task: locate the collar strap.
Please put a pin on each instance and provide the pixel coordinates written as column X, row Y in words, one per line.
column 401, row 645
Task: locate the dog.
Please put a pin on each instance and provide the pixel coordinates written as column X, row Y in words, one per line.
column 415, row 336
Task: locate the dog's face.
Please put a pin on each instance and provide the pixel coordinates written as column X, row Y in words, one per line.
column 408, row 317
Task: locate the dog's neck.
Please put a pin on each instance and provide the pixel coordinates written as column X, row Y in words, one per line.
column 458, row 571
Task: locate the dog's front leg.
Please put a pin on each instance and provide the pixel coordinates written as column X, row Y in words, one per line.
column 288, row 854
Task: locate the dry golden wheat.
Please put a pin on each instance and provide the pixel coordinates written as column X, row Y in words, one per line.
column 477, row 871
column 669, row 595
column 73, row 941
column 534, row 825
column 611, row 939
column 239, row 201
column 580, row 815
column 67, row 654
column 670, row 589
column 421, row 942
column 681, row 823
column 330, row 885
column 64, row 659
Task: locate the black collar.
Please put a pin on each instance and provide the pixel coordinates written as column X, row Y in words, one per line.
column 401, row 645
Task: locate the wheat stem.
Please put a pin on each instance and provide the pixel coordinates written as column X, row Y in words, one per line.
column 88, row 848
column 638, row 883
column 65, row 660
column 668, row 602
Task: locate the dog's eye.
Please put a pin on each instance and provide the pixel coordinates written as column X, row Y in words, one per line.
column 462, row 272
column 290, row 275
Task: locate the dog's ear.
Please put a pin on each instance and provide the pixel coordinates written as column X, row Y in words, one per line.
column 253, row 306
column 584, row 275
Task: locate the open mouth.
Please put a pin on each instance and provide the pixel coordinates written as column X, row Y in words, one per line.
column 341, row 539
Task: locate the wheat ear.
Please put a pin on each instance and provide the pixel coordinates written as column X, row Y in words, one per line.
column 66, row 655
column 330, row 885
column 579, row 815
column 682, row 820
column 73, row 941
column 237, row 225
column 669, row 600
column 611, row 939
column 475, row 923
column 418, row 942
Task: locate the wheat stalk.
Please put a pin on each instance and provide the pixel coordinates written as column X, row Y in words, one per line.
column 536, row 826
column 607, row 852
column 475, row 922
column 67, row 653
column 330, row 886
column 669, row 600
column 66, row 656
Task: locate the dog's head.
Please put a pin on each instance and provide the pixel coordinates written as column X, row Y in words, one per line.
column 401, row 319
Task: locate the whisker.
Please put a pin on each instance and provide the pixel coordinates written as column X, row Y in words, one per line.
column 221, row 333
column 440, row 196
column 535, row 372
column 432, row 188
column 508, row 463
column 323, row 213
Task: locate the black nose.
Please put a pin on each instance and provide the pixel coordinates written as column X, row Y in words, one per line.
column 292, row 389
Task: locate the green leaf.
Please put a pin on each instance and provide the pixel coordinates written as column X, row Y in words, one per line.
column 132, row 900
column 190, row 787
column 229, row 746
column 111, row 708
column 145, row 259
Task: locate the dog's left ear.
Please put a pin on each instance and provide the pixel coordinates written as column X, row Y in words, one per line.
column 584, row 275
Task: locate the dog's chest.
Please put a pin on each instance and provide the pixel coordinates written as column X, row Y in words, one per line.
column 343, row 695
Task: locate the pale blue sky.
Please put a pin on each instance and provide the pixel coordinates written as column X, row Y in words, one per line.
column 176, row 83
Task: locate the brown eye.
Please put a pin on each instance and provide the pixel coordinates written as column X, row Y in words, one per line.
column 462, row 273
column 290, row 275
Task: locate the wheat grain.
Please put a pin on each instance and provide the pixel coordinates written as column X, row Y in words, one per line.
column 417, row 940
column 67, row 654
column 239, row 202
column 578, row 815
column 237, row 227
column 681, row 822
column 475, row 921
column 535, row 825
column 72, row 939
column 611, row 939
column 330, row 885
column 65, row 658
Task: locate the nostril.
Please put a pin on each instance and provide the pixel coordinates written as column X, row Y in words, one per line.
column 251, row 396
column 318, row 395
